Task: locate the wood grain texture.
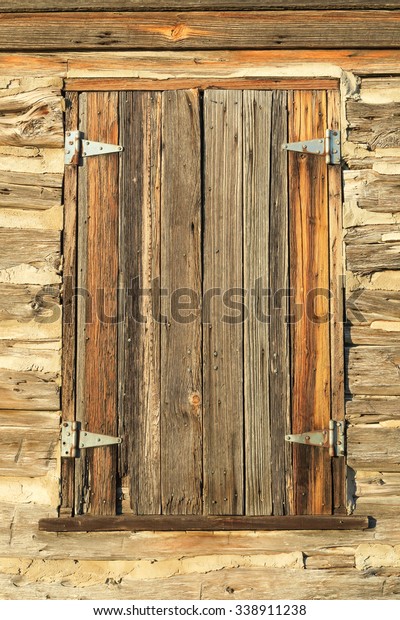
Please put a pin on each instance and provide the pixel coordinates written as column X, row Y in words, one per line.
column 70, row 241
column 198, row 523
column 223, row 329
column 125, row 83
column 373, row 370
column 365, row 307
column 257, row 107
column 279, row 346
column 373, row 191
column 26, row 302
column 8, row 6
column 309, row 280
column 31, row 118
column 199, row 30
column 29, row 390
column 39, row 248
column 374, row 124
column 373, row 410
column 372, row 233
column 373, row 448
column 372, row 335
column 373, row 257
column 29, row 443
column 100, row 394
column 139, row 338
column 181, row 332
column 29, row 191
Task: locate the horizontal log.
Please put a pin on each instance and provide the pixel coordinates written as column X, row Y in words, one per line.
column 40, row 420
column 29, row 391
column 373, row 370
column 32, row 117
column 374, row 485
column 372, row 233
column 30, row 191
column 373, row 410
column 373, row 191
column 28, row 451
column 25, row 303
column 363, row 307
column 8, row 6
column 373, row 124
column 371, row 335
column 23, row 355
column 200, row 30
column 373, row 257
column 39, row 248
column 196, row 523
column 106, row 84
column 373, row 448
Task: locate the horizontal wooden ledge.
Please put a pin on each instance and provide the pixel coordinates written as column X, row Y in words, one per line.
column 200, row 30
column 166, row 523
column 109, row 84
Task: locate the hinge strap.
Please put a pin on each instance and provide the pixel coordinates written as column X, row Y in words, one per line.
column 77, row 147
column 332, row 438
column 328, row 146
column 73, row 439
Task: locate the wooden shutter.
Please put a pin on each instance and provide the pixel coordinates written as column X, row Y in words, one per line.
column 205, row 211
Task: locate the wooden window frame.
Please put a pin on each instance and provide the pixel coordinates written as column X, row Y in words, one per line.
column 129, row 522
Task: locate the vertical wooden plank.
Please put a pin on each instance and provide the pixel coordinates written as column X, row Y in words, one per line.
column 309, row 276
column 256, row 269
column 69, row 306
column 337, row 311
column 223, row 337
column 181, row 333
column 279, row 352
column 83, row 307
column 99, row 412
column 139, row 342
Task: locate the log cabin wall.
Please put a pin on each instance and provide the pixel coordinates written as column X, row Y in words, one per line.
column 123, row 565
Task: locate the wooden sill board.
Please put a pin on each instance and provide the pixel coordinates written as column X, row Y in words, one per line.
column 133, row 523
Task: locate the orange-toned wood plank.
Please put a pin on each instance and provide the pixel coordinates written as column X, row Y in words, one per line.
column 106, row 84
column 200, row 30
column 309, row 281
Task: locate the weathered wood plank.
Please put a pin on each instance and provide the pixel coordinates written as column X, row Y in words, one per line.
column 29, row 390
column 139, row 341
column 181, row 332
column 370, row 334
column 373, row 257
column 25, row 302
column 29, row 191
column 223, row 329
column 374, row 485
column 373, row 124
column 33, row 117
column 310, row 338
column 373, row 233
column 100, row 396
column 365, row 307
column 279, row 345
column 125, row 83
column 373, row 370
column 38, row 248
column 28, row 451
column 199, row 30
column 257, row 107
column 69, row 305
column 373, row 410
column 8, row 6
column 200, row 523
column 373, row 191
column 373, row 448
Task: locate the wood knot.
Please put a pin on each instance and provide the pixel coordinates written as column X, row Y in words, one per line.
column 194, row 400
column 178, row 32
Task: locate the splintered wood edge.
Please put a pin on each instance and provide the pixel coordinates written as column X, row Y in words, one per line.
column 194, row 523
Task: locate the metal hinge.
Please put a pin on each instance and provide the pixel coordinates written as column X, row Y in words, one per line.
column 77, row 147
column 333, row 438
column 73, row 438
column 328, row 146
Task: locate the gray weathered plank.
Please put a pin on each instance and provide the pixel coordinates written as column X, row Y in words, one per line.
column 256, row 178
column 181, row 332
column 373, row 257
column 29, row 390
column 373, row 370
column 279, row 352
column 373, row 448
column 139, row 340
column 372, row 410
column 367, row 334
column 223, row 329
column 39, row 248
column 373, row 191
column 375, row 124
column 372, row 233
column 32, row 118
column 199, row 30
column 363, row 307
